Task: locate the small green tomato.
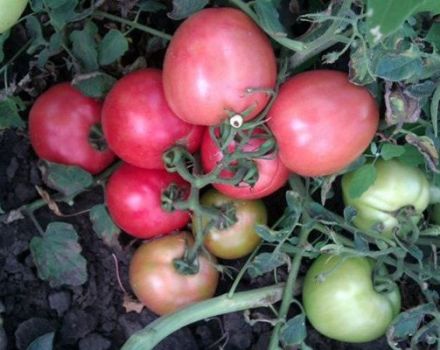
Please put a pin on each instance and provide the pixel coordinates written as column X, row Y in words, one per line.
column 341, row 303
column 10, row 12
column 397, row 185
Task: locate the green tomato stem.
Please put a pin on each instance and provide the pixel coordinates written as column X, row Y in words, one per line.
column 290, row 287
column 136, row 25
column 150, row 336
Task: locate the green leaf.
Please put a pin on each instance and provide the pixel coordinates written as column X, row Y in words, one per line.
column 185, row 8
column 361, row 180
column 407, row 323
column 294, row 331
column 112, row 47
column 151, row 6
column 269, row 235
column 3, row 37
column 103, row 225
column 389, row 151
column 266, row 262
column 57, row 256
column 84, row 47
column 9, row 113
column 399, row 66
column 268, row 16
column 385, row 17
column 433, row 36
column 33, row 26
column 411, row 156
column 96, row 84
column 66, row 179
column 44, row 342
column 61, row 12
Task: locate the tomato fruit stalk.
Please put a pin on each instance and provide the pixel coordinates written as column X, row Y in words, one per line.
column 396, row 186
column 340, row 300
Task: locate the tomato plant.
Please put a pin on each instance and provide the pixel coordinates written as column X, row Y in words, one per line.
column 340, row 300
column 436, row 214
column 134, row 201
column 138, row 123
column 213, row 59
column 62, row 125
column 322, row 122
column 156, row 281
column 10, row 12
column 272, row 174
column 396, row 186
column 230, row 241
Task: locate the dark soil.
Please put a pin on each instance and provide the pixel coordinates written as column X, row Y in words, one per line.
column 92, row 316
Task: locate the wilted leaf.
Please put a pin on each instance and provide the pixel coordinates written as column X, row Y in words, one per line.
column 361, row 180
column 359, row 64
column 68, row 180
column 112, row 47
column 399, row 66
column 132, row 305
column 50, row 202
column 96, row 84
column 185, row 8
column 400, row 106
column 57, row 256
column 426, row 147
column 294, row 331
column 103, row 225
column 44, row 342
column 326, row 187
column 266, row 262
column 269, row 235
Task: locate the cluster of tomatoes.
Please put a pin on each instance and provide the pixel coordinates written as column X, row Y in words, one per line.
column 219, row 69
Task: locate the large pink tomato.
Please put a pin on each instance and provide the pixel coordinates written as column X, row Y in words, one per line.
column 134, row 201
column 272, row 174
column 61, row 123
column 138, row 123
column 213, row 59
column 322, row 122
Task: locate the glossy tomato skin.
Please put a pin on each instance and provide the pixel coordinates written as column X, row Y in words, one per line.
column 138, row 123
column 272, row 174
column 157, row 283
column 396, row 186
column 213, row 58
column 60, row 122
column 134, row 201
column 322, row 122
column 240, row 239
column 10, row 12
column 341, row 303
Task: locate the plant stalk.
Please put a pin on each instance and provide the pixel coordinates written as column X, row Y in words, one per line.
column 150, row 336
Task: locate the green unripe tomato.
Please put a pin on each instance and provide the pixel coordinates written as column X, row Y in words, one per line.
column 397, row 185
column 10, row 12
column 239, row 239
column 341, row 303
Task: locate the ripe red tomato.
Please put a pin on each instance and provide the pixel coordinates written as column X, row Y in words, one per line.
column 157, row 283
column 239, row 239
column 322, row 122
column 213, row 58
column 134, row 201
column 272, row 174
column 60, row 123
column 138, row 123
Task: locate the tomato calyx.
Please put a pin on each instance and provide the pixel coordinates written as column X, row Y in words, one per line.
column 225, row 218
column 172, row 196
column 96, row 138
